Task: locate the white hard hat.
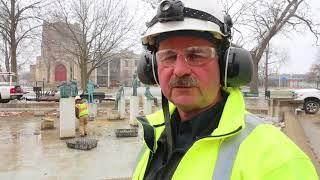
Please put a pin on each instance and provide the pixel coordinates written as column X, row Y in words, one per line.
column 198, row 15
column 77, row 98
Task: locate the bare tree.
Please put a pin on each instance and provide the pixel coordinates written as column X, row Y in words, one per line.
column 17, row 22
column 152, row 3
column 98, row 30
column 5, row 52
column 271, row 62
column 313, row 75
column 262, row 20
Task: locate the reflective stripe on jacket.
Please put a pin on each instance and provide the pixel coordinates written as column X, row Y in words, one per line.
column 241, row 148
column 83, row 109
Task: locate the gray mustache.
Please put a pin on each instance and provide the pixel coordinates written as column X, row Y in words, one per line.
column 184, row 81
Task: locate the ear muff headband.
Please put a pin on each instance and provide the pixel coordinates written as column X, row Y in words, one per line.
column 226, row 63
column 154, row 72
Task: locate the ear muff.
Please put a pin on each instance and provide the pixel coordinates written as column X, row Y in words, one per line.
column 147, row 69
column 237, row 67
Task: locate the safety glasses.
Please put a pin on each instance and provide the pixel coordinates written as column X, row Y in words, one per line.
column 194, row 56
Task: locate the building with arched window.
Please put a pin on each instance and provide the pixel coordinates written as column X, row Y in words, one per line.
column 55, row 63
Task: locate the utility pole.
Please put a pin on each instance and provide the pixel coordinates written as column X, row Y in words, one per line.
column 108, row 82
column 279, row 78
column 266, row 70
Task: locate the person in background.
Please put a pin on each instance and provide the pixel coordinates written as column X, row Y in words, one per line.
column 81, row 110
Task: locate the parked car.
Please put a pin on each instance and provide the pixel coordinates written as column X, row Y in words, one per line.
column 9, row 90
column 98, row 97
column 47, row 96
column 310, row 98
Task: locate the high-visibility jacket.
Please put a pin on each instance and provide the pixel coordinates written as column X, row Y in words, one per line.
column 240, row 148
column 83, row 109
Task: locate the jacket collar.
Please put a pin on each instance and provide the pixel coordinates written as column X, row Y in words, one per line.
column 233, row 114
column 232, row 119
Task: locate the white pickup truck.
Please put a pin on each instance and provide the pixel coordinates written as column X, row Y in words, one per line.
column 310, row 98
column 9, row 90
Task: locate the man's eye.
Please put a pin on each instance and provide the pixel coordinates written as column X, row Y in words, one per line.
column 195, row 56
column 169, row 58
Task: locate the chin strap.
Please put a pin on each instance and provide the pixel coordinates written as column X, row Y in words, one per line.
column 166, row 114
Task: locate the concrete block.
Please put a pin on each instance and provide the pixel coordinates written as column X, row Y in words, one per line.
column 122, row 106
column 47, row 123
column 67, row 118
column 114, row 115
column 92, row 108
column 299, row 111
column 147, row 109
column 134, row 110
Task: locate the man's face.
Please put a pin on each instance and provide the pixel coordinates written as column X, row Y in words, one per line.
column 189, row 87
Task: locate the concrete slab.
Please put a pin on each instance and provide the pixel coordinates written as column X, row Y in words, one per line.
column 28, row 155
column 311, row 126
column 302, row 136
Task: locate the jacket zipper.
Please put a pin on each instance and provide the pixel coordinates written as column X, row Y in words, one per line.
column 230, row 133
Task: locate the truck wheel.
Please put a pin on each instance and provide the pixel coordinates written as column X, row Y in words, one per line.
column 4, row 100
column 311, row 106
column 97, row 101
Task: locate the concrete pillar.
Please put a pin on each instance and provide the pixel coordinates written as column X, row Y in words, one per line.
column 77, row 124
column 92, row 108
column 122, row 107
column 67, row 117
column 147, row 107
column 134, row 110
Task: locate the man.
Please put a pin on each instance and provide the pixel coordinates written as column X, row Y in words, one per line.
column 206, row 133
column 82, row 114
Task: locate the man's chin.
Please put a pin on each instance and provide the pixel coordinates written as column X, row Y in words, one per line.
column 187, row 103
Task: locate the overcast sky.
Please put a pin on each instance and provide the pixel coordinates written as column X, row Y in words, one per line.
column 301, row 47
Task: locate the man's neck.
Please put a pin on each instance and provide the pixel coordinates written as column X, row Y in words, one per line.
column 187, row 115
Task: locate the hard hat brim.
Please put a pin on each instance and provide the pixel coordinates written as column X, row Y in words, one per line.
column 188, row 24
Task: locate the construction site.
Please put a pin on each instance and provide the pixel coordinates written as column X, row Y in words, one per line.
column 31, row 147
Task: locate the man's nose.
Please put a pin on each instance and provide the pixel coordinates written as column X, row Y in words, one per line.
column 181, row 66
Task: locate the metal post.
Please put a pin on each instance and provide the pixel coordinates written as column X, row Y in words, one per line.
column 266, row 71
column 279, row 78
column 108, row 81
